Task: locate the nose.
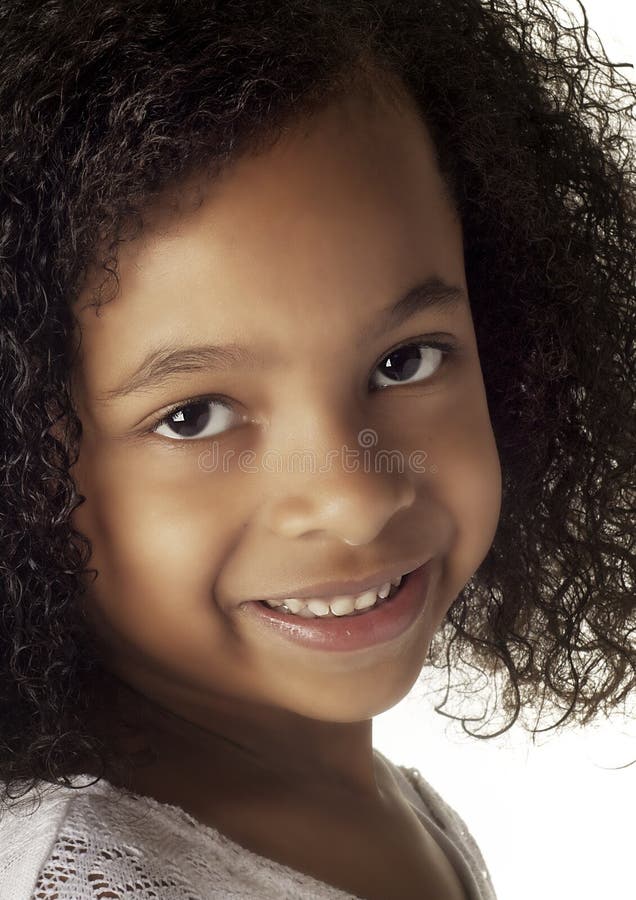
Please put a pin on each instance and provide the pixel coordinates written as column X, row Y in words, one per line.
column 348, row 498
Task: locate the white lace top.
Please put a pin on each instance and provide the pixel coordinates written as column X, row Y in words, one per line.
column 97, row 843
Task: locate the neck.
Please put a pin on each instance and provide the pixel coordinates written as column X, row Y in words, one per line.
column 271, row 747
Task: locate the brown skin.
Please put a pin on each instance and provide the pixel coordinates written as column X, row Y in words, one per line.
column 296, row 251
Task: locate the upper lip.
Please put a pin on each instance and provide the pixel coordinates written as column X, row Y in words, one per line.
column 351, row 586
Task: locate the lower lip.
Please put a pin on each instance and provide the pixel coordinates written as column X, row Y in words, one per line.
column 376, row 626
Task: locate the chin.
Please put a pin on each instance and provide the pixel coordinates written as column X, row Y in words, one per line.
column 353, row 701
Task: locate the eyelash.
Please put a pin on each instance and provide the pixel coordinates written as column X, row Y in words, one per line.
column 447, row 349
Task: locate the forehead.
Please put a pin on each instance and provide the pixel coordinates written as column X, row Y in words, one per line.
column 344, row 211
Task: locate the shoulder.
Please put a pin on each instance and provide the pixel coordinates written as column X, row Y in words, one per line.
column 411, row 782
column 445, row 817
column 69, row 840
column 28, row 829
column 55, row 839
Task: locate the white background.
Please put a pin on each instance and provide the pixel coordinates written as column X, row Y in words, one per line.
column 555, row 820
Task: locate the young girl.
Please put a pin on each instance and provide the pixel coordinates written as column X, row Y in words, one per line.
column 317, row 371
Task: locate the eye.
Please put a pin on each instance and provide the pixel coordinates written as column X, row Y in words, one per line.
column 421, row 358
column 193, row 419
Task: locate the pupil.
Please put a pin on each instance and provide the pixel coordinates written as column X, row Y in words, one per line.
column 191, row 419
column 406, row 358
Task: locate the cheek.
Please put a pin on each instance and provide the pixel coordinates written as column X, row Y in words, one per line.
column 157, row 548
column 473, row 488
column 480, row 504
column 158, row 539
column 467, row 485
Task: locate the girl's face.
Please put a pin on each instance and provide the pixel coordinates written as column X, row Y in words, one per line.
column 294, row 255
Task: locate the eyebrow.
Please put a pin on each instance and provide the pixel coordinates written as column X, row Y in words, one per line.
column 168, row 360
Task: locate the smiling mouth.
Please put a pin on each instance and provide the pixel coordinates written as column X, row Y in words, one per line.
column 338, row 607
column 384, row 619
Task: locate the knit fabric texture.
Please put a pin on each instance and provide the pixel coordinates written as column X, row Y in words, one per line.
column 98, row 843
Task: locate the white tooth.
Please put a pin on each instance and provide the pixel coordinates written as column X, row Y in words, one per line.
column 342, row 606
column 318, row 607
column 274, row 603
column 363, row 601
column 294, row 605
column 396, row 581
column 306, row 613
column 383, row 593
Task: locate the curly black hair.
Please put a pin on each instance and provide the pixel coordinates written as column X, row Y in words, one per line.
column 104, row 107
